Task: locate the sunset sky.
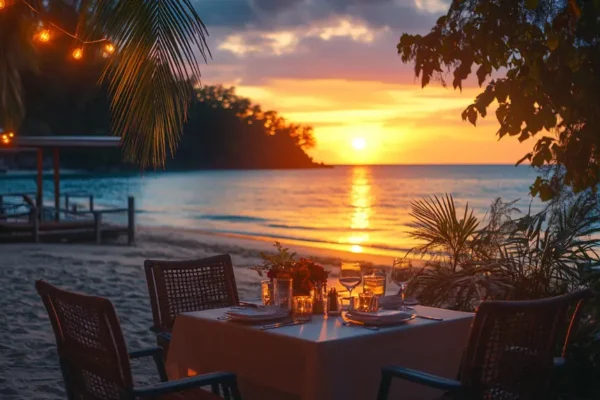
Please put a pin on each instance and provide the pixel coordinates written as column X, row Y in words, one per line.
column 333, row 64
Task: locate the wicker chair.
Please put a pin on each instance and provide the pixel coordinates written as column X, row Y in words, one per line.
column 183, row 286
column 510, row 351
column 94, row 359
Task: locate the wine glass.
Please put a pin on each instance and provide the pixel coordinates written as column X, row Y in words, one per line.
column 350, row 276
column 402, row 274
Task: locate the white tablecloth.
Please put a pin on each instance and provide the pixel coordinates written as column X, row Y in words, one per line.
column 321, row 360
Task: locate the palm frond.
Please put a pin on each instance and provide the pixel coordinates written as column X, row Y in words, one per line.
column 158, row 46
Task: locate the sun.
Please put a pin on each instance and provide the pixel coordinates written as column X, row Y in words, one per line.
column 359, row 143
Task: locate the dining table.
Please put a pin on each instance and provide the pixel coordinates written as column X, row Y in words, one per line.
column 323, row 359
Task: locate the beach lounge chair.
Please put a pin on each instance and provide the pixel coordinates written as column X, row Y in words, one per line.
column 183, row 286
column 94, row 358
column 510, row 351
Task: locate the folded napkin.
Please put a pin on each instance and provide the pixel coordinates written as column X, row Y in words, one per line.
column 391, row 302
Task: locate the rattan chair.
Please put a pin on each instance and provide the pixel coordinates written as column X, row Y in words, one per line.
column 183, row 286
column 511, row 351
column 94, row 360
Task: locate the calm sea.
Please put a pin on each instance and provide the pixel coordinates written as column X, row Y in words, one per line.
column 356, row 208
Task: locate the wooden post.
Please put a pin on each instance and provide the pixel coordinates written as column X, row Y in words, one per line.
column 56, row 165
column 91, row 202
column 40, row 182
column 97, row 227
column 36, row 224
column 131, row 219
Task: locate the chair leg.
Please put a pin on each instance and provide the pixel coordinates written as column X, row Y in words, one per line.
column 235, row 392
column 215, row 389
column 384, row 386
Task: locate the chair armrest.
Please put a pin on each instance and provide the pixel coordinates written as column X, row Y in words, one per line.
column 423, row 378
column 157, row 354
column 147, row 352
column 166, row 336
column 159, row 389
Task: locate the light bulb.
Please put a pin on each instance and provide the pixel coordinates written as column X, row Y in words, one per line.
column 44, row 36
column 11, row 135
column 2, row 4
column 109, row 48
column 78, row 53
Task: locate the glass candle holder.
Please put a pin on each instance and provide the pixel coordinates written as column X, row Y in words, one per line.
column 303, row 308
column 282, row 293
column 374, row 284
column 368, row 302
column 266, row 292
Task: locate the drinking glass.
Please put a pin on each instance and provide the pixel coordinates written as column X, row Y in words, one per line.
column 374, row 284
column 350, row 276
column 303, row 307
column 402, row 273
column 282, row 292
column 266, row 292
column 379, row 276
column 368, row 302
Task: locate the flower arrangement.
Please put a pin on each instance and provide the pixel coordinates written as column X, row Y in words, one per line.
column 305, row 273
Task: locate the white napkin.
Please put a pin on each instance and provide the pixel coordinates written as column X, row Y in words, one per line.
column 258, row 313
column 380, row 315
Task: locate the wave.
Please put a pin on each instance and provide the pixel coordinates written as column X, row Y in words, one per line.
column 322, row 229
column 374, row 246
column 231, row 218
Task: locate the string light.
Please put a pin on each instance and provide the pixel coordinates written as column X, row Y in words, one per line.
column 43, row 36
column 77, row 53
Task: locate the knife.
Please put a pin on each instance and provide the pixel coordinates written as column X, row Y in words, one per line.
column 246, row 304
column 431, row 318
column 281, row 324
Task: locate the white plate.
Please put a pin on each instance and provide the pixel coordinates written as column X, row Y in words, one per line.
column 262, row 314
column 380, row 318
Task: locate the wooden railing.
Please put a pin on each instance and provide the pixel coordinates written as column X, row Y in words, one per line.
column 36, row 215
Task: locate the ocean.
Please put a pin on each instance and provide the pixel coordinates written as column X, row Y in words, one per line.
column 363, row 209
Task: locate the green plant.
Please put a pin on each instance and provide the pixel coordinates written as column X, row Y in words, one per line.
column 540, row 58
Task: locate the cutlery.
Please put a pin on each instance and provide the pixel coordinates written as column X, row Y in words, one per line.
column 281, row 325
column 246, row 304
column 344, row 322
column 431, row 318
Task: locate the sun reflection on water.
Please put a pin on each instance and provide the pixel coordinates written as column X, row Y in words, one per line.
column 361, row 201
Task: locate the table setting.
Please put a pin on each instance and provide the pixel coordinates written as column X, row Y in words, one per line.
column 303, row 340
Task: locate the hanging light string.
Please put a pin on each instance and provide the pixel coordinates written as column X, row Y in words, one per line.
column 44, row 35
column 35, row 10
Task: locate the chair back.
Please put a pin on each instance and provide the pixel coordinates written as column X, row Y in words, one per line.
column 91, row 348
column 183, row 286
column 513, row 343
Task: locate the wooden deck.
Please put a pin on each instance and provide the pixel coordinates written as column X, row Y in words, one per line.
column 63, row 225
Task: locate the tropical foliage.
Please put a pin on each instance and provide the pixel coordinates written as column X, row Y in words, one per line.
column 507, row 255
column 544, row 56
column 157, row 48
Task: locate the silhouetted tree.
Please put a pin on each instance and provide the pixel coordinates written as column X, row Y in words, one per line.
column 548, row 52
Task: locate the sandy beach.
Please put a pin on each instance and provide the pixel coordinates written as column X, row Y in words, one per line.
column 28, row 362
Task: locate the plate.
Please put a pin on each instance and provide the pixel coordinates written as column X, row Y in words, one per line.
column 257, row 315
column 380, row 318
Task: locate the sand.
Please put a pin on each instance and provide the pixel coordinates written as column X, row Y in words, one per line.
column 28, row 361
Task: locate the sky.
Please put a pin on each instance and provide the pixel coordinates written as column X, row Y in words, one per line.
column 333, row 64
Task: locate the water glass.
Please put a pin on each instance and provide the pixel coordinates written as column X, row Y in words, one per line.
column 374, row 284
column 282, row 293
column 303, row 306
column 266, row 292
column 368, row 302
column 402, row 273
